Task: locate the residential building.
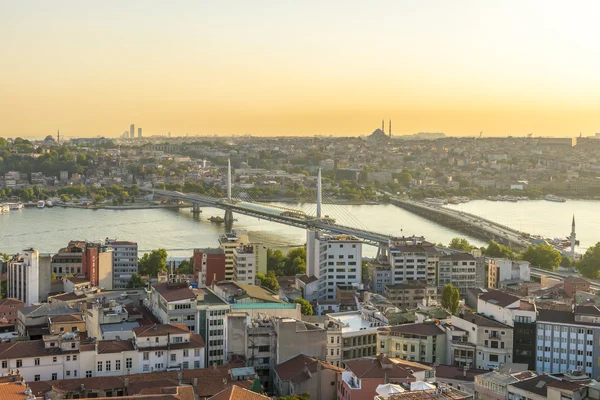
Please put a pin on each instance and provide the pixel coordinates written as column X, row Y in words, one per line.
column 244, row 265
column 410, row 294
column 502, row 270
column 568, row 340
column 97, row 264
column 460, row 270
column 492, row 340
column 229, row 242
column 308, row 287
column 494, row 385
column 515, row 312
column 68, row 260
column 209, row 266
column 575, row 385
column 125, row 261
column 268, row 341
column 352, row 335
column 9, row 309
column 304, row 374
column 421, row 342
column 334, row 260
column 362, row 377
column 33, row 321
column 379, row 275
column 28, row 277
column 408, row 260
column 574, row 283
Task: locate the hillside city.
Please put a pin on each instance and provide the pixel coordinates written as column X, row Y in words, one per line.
column 517, row 319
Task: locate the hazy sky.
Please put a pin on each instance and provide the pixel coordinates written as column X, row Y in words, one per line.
column 299, row 67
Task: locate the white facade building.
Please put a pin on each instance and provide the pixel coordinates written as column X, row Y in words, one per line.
column 23, row 277
column 229, row 242
column 244, row 265
column 501, row 269
column 334, row 260
column 125, row 262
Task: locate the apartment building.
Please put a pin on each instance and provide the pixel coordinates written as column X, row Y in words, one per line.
column 125, row 261
column 63, row 356
column 460, row 270
column 304, row 374
column 379, row 275
column 422, row 342
column 209, row 266
column 334, row 260
column 568, row 340
column 244, row 265
column 229, row 242
column 491, row 342
column 501, row 270
column 411, row 294
column 9, row 309
column 28, row 277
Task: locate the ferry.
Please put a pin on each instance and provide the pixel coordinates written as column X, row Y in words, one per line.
column 555, row 199
column 435, row 202
column 41, row 204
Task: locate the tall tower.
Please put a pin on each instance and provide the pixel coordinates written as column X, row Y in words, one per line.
column 319, row 198
column 390, row 130
column 573, row 236
column 132, row 131
column 58, row 136
column 139, row 133
column 382, row 126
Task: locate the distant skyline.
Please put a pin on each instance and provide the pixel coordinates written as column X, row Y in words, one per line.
column 299, row 68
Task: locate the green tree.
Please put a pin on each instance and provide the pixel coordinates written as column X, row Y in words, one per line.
column 275, row 261
column 53, row 276
column 405, row 178
column 153, row 262
column 186, row 266
column 460, row 244
column 136, row 282
column 542, row 256
column 450, row 298
column 268, row 281
column 567, row 262
column 497, row 250
column 305, row 306
column 295, row 262
column 589, row 266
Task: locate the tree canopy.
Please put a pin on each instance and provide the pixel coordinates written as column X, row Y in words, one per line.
column 450, row 298
column 589, row 266
column 136, row 282
column 306, row 307
column 542, row 256
column 153, row 262
column 497, row 250
column 294, row 262
column 460, row 244
column 268, row 281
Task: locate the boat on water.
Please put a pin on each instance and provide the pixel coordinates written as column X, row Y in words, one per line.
column 49, row 203
column 4, row 208
column 216, row 220
column 41, row 204
column 454, row 200
column 435, row 202
column 15, row 206
column 555, row 198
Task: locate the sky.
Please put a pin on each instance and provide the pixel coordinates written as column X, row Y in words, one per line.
column 299, row 67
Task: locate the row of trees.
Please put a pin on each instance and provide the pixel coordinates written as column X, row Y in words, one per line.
column 292, row 263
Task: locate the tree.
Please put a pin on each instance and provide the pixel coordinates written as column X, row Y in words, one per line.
column 275, row 261
column 303, row 396
column 295, row 262
column 153, row 262
column 405, row 178
column 497, row 250
column 53, row 276
column 567, row 262
column 450, row 298
column 136, row 282
column 268, row 281
column 542, row 256
column 460, row 244
column 186, row 267
column 3, row 289
column 589, row 266
column 305, row 306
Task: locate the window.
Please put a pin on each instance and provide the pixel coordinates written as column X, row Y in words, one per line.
column 146, row 356
column 382, row 344
column 118, row 365
column 196, row 352
column 75, row 373
column 493, row 357
column 36, row 361
column 146, row 368
column 99, row 366
column 186, row 353
column 88, row 374
column 173, row 357
column 54, row 376
column 68, row 373
column 53, row 359
column 186, row 365
column 68, row 358
column 19, row 363
column 108, row 367
column 4, row 364
column 75, row 357
column 128, row 363
column 36, row 378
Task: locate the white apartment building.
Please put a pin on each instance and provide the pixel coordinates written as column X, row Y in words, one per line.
column 229, row 242
column 501, row 270
column 62, row 356
column 460, row 270
column 23, row 277
column 568, row 340
column 334, row 260
column 244, row 265
column 125, row 262
column 412, row 258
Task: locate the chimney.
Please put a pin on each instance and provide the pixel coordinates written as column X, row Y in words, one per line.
column 195, row 382
column 126, row 382
column 179, row 377
column 465, row 368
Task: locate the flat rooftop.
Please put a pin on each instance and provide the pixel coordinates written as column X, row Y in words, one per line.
column 352, row 321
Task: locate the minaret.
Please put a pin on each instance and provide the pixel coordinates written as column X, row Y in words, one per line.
column 382, row 126
column 573, row 238
column 58, row 136
column 390, row 130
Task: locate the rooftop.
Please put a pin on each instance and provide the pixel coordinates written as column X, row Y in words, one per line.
column 299, row 368
column 419, row 329
column 352, row 321
column 174, row 291
column 498, row 297
column 480, row 320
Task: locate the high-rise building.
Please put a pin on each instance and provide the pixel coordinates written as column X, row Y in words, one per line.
column 139, row 133
column 228, row 242
column 132, row 131
column 244, row 265
column 97, row 265
column 334, row 260
column 125, row 261
column 23, row 277
column 209, row 265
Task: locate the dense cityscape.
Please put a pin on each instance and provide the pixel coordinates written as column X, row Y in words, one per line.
column 101, row 318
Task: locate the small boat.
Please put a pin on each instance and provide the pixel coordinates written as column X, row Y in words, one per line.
column 15, row 206
column 4, row 208
column 435, row 202
column 216, row 220
column 454, row 200
column 41, row 204
column 49, row 203
column 555, row 198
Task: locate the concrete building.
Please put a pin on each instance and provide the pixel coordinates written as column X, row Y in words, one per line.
column 334, row 260
column 460, row 270
column 68, row 260
column 139, row 133
column 568, row 340
column 125, row 261
column 33, row 321
column 209, row 266
column 27, row 276
column 421, row 342
column 9, row 309
column 411, row 294
column 493, row 385
column 254, row 300
column 132, row 131
column 244, row 265
column 229, row 242
column 501, row 270
column 308, row 287
column 268, row 341
column 492, row 341
column 97, row 265
column 304, row 374
column 379, row 275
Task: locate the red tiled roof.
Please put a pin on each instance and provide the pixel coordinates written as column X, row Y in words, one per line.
column 295, row 368
column 377, row 367
column 160, row 330
column 238, row 393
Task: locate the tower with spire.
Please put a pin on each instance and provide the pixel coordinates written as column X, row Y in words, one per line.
column 383, row 126
column 573, row 238
column 390, row 130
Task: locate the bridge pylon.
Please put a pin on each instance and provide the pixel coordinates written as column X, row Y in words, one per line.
column 228, row 183
column 319, row 196
column 228, row 216
column 196, row 208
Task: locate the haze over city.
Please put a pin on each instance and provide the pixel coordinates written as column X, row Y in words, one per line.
column 299, row 68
